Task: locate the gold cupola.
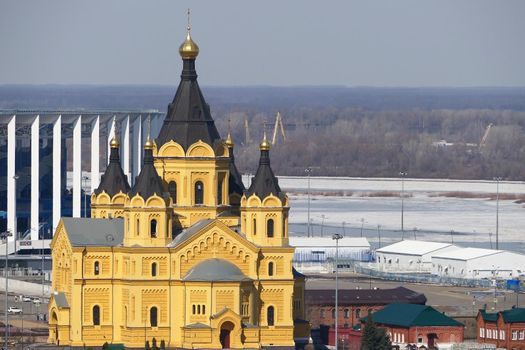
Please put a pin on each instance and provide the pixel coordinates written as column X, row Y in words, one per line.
column 265, row 145
column 189, row 50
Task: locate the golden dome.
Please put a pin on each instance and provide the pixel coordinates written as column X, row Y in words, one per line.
column 229, row 141
column 149, row 144
column 114, row 143
column 189, row 49
column 265, row 145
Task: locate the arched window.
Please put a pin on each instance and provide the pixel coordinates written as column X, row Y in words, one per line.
column 219, row 192
column 96, row 268
column 154, row 269
column 199, row 192
column 270, row 316
column 357, row 313
column 203, row 309
column 347, row 313
column 138, row 226
column 269, row 228
column 333, row 314
column 96, row 315
column 199, row 309
column 153, row 228
column 193, row 309
column 270, row 269
column 153, row 316
column 172, row 189
column 254, row 226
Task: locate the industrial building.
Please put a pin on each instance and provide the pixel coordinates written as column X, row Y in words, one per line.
column 410, row 255
column 478, row 263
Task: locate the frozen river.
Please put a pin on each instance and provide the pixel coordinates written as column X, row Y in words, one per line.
column 428, row 214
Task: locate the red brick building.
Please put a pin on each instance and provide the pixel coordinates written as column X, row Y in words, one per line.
column 353, row 304
column 505, row 329
column 418, row 325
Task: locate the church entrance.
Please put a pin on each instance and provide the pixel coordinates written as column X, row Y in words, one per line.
column 224, row 337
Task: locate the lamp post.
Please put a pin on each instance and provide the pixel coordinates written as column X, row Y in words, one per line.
column 362, row 224
column 402, row 174
column 84, row 179
column 5, row 235
column 308, row 171
column 337, row 237
column 322, row 223
column 379, row 234
column 494, row 272
column 497, row 179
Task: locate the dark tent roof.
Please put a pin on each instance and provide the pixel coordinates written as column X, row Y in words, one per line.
column 113, row 181
column 264, row 182
column 364, row 296
column 188, row 118
column 215, row 270
column 235, row 183
column 148, row 182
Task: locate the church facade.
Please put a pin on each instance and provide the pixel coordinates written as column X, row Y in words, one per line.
column 187, row 256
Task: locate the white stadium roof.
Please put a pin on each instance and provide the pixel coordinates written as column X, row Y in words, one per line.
column 410, row 247
column 467, row 253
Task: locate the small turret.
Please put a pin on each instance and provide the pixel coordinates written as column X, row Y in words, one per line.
column 264, row 206
column 236, row 187
column 108, row 199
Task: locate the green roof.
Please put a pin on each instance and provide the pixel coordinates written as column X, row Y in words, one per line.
column 509, row 316
column 411, row 315
column 488, row 316
column 514, row 315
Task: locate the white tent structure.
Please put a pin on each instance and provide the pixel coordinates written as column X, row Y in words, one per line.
column 316, row 254
column 410, row 256
column 479, row 263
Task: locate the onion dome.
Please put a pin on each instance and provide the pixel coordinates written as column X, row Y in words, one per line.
column 264, row 182
column 189, row 50
column 113, row 181
column 148, row 182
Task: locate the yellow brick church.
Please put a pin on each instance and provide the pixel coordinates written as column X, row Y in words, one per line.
column 187, row 255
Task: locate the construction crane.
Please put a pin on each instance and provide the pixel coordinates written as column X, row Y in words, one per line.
column 278, row 124
column 485, row 136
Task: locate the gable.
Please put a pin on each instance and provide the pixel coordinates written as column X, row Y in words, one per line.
column 214, row 240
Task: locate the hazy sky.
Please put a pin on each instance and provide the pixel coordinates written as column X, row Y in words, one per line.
column 373, row 43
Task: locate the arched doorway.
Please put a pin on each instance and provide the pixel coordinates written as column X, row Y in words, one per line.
column 224, row 337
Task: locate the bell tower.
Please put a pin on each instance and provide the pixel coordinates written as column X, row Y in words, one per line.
column 264, row 206
column 148, row 213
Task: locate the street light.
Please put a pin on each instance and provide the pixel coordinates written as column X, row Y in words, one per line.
column 494, row 272
column 5, row 235
column 379, row 234
column 497, row 179
column 402, row 174
column 362, row 224
column 322, row 223
column 308, row 171
column 337, row 237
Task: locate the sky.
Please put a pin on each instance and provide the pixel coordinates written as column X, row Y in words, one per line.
column 406, row 43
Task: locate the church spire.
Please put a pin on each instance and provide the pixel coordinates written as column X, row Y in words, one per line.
column 188, row 119
column 264, row 182
column 114, row 180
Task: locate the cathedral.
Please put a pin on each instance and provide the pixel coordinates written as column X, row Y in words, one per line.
column 187, row 257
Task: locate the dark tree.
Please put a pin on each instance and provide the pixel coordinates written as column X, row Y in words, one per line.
column 374, row 338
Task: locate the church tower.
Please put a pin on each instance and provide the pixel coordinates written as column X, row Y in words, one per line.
column 235, row 181
column 264, row 206
column 107, row 201
column 148, row 211
column 190, row 156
